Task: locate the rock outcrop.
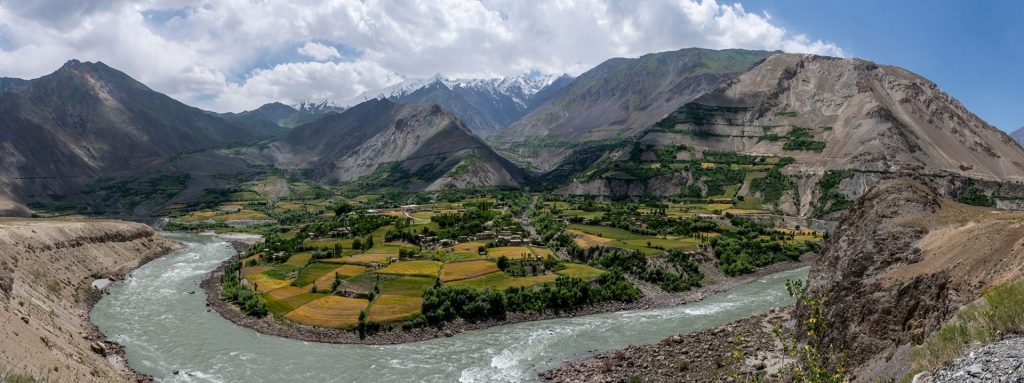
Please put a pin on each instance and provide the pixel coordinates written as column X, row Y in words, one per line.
column 902, row 262
column 46, row 271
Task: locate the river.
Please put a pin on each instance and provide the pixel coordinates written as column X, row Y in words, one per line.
column 159, row 314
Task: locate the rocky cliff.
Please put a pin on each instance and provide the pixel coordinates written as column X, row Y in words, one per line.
column 46, row 271
column 902, row 262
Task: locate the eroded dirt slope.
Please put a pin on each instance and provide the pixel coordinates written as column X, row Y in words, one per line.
column 46, row 271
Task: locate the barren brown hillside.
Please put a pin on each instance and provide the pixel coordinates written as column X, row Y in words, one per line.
column 46, row 271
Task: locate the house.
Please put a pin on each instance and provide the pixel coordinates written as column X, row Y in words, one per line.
column 410, row 208
column 486, row 234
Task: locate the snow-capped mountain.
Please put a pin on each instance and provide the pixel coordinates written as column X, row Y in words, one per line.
column 486, row 105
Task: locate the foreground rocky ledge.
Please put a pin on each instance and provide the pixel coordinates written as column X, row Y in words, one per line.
column 742, row 348
column 46, row 268
column 286, row 329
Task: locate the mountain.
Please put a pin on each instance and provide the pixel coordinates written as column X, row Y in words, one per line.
column 867, row 116
column 619, row 98
column 902, row 262
column 63, row 131
column 11, row 82
column 380, row 143
column 275, row 118
column 805, row 135
column 486, row 105
column 1018, row 135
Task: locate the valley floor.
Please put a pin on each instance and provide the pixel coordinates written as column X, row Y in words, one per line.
column 287, row 329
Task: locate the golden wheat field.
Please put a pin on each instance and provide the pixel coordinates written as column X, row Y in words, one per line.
column 510, row 252
column 331, row 311
column 264, row 283
column 470, row 269
column 387, row 308
column 420, row 268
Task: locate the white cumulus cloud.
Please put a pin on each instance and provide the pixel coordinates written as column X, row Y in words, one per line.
column 230, row 55
column 319, row 52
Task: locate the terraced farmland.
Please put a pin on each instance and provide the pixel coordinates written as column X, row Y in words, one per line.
column 470, row 269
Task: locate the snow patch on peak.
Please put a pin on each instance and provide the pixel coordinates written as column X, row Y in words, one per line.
column 519, row 88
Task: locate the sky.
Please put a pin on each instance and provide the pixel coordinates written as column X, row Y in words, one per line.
column 234, row 55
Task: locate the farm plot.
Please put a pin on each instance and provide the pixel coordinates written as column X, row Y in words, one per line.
column 281, row 307
column 407, row 286
column 416, row 268
column 468, row 247
column 470, row 269
column 343, row 272
column 581, row 271
column 313, row 272
column 299, row 260
column 264, row 283
column 502, row 281
column 247, row 271
column 329, row 311
column 510, row 252
column 363, row 259
column 390, row 308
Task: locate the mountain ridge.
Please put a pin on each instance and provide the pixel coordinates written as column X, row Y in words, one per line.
column 486, row 105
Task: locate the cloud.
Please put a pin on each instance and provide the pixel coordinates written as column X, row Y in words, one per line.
column 229, row 55
column 319, row 52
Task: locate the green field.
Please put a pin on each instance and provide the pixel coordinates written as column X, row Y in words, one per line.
column 407, row 286
column 313, row 272
column 281, row 307
column 580, row 271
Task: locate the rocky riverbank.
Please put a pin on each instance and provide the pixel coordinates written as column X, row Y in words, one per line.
column 1001, row 361
column 734, row 352
column 48, row 267
column 272, row 326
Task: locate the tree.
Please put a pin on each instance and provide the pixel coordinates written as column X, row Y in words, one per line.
column 357, row 244
column 342, row 209
column 503, row 263
column 368, row 243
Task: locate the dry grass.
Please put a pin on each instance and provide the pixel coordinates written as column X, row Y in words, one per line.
column 470, row 269
column 420, row 268
column 389, row 308
column 264, row 283
column 999, row 311
column 330, row 311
